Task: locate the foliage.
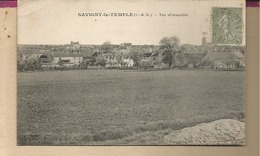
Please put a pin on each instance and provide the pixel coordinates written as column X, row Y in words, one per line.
column 92, row 61
column 84, row 65
column 46, row 58
column 205, row 63
column 100, row 60
column 169, row 46
column 136, row 58
column 28, row 64
column 238, row 65
column 106, row 47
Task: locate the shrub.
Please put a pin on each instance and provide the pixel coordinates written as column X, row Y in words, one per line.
column 28, row 65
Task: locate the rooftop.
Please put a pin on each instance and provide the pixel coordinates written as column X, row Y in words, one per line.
column 68, row 54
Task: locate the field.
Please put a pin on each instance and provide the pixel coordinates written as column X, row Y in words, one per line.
column 111, row 107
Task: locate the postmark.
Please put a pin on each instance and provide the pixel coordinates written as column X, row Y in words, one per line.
column 227, row 26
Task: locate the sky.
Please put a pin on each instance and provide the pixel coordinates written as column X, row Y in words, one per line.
column 57, row 21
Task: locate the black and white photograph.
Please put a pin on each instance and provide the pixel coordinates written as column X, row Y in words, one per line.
column 125, row 72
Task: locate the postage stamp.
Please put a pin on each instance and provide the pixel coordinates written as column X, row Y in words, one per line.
column 227, row 26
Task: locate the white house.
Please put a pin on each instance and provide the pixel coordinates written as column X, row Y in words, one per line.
column 127, row 60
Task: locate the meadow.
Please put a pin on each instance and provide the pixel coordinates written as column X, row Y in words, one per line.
column 122, row 107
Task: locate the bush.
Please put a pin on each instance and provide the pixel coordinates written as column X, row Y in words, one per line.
column 28, row 65
column 100, row 61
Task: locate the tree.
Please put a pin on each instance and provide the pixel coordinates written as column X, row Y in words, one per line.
column 28, row 63
column 169, row 46
column 136, row 58
column 106, row 47
column 100, row 60
column 92, row 61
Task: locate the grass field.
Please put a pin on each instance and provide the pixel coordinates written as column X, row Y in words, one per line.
column 122, row 107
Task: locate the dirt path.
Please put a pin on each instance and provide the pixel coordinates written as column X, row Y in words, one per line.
column 219, row 132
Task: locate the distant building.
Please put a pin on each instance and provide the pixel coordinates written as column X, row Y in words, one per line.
column 147, row 59
column 204, row 44
column 241, row 58
column 225, row 60
column 74, row 46
column 70, row 59
column 188, row 60
column 152, row 59
column 204, row 40
column 225, row 64
column 35, row 54
column 127, row 61
column 125, row 45
column 111, row 60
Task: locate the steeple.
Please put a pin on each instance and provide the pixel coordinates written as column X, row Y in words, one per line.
column 204, row 43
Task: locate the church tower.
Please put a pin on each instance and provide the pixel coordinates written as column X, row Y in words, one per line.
column 204, row 41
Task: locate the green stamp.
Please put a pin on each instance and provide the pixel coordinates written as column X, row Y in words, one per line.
column 227, row 26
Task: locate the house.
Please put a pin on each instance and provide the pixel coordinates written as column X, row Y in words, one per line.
column 111, row 60
column 152, row 59
column 188, row 60
column 224, row 64
column 46, row 58
column 147, row 60
column 225, row 60
column 241, row 58
column 74, row 46
column 32, row 54
column 156, row 57
column 126, row 60
column 70, row 59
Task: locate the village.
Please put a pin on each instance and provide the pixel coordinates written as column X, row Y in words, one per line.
column 128, row 56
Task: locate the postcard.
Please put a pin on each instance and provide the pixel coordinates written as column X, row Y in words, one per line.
column 131, row 72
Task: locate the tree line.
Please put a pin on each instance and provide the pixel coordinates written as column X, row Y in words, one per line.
column 168, row 46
